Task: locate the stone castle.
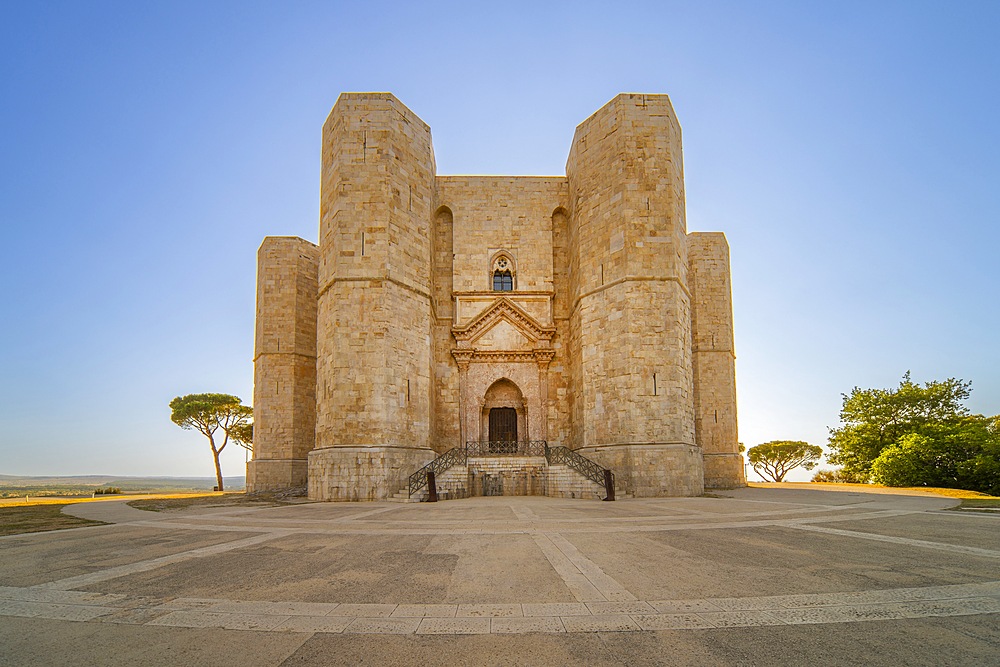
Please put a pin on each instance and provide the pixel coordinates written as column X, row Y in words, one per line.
column 496, row 320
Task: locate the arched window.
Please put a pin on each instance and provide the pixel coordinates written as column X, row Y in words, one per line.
column 503, row 274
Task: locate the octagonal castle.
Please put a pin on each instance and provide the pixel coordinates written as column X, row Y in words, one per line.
column 438, row 311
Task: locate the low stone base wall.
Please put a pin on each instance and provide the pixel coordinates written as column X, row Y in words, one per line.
column 724, row 471
column 515, row 476
column 275, row 474
column 363, row 472
column 654, row 470
column 507, row 476
column 564, row 482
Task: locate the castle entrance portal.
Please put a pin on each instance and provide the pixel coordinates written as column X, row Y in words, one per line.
column 503, row 430
column 503, row 418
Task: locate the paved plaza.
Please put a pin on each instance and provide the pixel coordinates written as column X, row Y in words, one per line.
column 762, row 576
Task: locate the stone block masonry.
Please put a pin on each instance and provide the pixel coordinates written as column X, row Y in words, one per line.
column 284, row 364
column 438, row 310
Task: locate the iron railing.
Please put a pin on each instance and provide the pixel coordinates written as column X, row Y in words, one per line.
column 418, row 480
column 554, row 455
column 581, row 464
column 506, row 448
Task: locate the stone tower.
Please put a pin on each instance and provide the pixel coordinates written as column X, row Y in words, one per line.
column 443, row 310
column 373, row 369
column 631, row 320
column 284, row 393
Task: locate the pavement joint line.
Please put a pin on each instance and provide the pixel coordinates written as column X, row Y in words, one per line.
column 968, row 512
column 215, row 527
column 605, row 584
column 364, row 515
column 633, row 616
column 333, row 528
column 925, row 544
column 58, row 533
column 579, row 585
column 523, row 513
column 154, row 563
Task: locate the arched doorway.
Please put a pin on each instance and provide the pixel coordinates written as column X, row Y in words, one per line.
column 503, row 417
column 503, row 426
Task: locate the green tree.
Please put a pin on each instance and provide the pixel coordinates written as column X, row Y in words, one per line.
column 873, row 419
column 210, row 413
column 242, row 435
column 777, row 458
column 962, row 453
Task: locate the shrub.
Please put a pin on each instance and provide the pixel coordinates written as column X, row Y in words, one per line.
column 829, row 476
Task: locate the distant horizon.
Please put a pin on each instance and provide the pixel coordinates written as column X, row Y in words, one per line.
column 4, row 476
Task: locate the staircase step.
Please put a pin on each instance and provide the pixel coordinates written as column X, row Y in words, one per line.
column 563, row 481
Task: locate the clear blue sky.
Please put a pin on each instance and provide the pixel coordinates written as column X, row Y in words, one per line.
column 849, row 150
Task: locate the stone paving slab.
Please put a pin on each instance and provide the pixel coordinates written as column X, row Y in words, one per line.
column 331, row 624
column 873, row 612
column 454, row 626
column 274, row 608
column 671, row 622
column 555, row 609
column 422, row 610
column 983, row 605
column 809, row 615
column 489, row 610
column 600, row 623
column 206, row 619
column 738, row 619
column 683, row 606
column 526, row 625
column 265, row 616
column 386, row 626
column 634, row 607
column 364, row 610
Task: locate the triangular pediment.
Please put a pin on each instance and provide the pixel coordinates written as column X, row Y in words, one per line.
column 517, row 325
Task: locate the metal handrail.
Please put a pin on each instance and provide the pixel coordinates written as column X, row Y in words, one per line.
column 581, row 464
column 418, row 480
column 506, row 448
column 554, row 455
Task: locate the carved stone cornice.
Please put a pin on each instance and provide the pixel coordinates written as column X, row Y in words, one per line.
column 463, row 357
column 541, row 356
column 544, row 356
column 503, row 309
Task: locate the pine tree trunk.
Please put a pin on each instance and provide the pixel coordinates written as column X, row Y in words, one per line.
column 218, row 469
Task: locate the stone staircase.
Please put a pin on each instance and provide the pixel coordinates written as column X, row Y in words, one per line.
column 510, row 476
column 564, row 482
column 451, row 485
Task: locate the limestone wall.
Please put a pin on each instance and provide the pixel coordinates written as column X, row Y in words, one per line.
column 494, row 213
column 491, row 214
column 630, row 307
column 560, row 383
column 714, row 360
column 374, row 312
column 445, row 426
column 284, row 397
